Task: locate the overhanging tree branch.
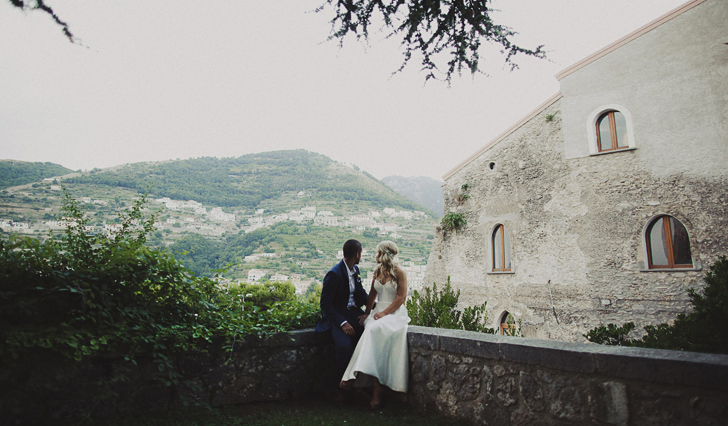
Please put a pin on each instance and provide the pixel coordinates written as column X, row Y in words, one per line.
column 430, row 27
column 40, row 5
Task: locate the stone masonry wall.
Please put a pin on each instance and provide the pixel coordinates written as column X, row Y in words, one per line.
column 576, row 227
column 509, row 381
column 479, row 378
column 284, row 366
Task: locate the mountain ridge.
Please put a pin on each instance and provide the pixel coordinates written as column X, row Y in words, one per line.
column 16, row 172
column 423, row 190
column 250, row 180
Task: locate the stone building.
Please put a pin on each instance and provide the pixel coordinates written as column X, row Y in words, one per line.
column 567, row 211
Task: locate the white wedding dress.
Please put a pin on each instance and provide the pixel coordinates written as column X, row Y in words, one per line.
column 382, row 348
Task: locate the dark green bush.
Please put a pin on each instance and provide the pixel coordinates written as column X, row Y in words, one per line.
column 80, row 295
column 611, row 335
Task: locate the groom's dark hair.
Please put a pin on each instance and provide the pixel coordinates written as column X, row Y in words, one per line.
column 351, row 248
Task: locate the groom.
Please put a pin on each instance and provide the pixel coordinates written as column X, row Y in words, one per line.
column 341, row 300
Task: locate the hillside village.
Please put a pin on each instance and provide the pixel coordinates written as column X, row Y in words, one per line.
column 41, row 214
column 374, row 220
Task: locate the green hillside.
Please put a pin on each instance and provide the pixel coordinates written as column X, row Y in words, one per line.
column 251, row 180
column 13, row 173
column 263, row 196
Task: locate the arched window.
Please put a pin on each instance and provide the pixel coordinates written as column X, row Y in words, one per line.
column 612, row 131
column 507, row 324
column 501, row 245
column 668, row 244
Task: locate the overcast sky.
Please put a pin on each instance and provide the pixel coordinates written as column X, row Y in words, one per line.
column 159, row 80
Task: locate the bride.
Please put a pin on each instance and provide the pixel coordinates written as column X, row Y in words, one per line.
column 381, row 354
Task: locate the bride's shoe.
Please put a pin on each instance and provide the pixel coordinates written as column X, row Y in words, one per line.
column 346, row 385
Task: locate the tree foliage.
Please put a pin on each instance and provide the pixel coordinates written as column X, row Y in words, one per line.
column 430, row 28
column 439, row 309
column 248, row 180
column 702, row 330
column 453, row 29
column 14, row 173
column 265, row 294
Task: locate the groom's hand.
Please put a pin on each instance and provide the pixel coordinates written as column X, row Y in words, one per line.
column 347, row 329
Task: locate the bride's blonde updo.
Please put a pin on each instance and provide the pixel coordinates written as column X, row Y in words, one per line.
column 386, row 251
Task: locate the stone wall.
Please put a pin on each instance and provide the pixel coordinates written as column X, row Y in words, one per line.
column 577, row 218
column 509, row 381
column 284, row 366
column 576, row 227
column 479, row 378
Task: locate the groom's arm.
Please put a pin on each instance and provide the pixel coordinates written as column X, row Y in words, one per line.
column 331, row 280
column 360, row 295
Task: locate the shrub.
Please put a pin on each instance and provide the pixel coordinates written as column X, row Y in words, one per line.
column 611, row 335
column 265, row 294
column 438, row 309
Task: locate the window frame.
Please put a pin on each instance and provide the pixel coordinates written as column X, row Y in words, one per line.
column 504, row 324
column 593, row 130
column 503, row 229
column 669, row 249
column 609, row 115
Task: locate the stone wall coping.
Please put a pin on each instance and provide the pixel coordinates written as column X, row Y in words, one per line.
column 653, row 365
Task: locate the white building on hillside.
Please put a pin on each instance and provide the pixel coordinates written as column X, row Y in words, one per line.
column 255, row 275
column 278, row 278
column 326, row 221
column 219, row 215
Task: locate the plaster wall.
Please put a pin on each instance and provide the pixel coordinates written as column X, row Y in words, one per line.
column 673, row 81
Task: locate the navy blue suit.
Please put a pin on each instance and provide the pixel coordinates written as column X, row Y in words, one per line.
column 334, row 307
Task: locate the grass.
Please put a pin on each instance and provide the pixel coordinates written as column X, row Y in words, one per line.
column 292, row 413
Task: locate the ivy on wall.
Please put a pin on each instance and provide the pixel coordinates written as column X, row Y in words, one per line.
column 453, row 221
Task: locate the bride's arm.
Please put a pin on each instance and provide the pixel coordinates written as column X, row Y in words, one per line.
column 401, row 294
column 370, row 303
column 372, row 298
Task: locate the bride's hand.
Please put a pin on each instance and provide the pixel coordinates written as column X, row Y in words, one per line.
column 379, row 315
column 363, row 318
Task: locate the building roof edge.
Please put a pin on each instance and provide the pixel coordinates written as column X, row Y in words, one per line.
column 500, row 137
column 629, row 37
